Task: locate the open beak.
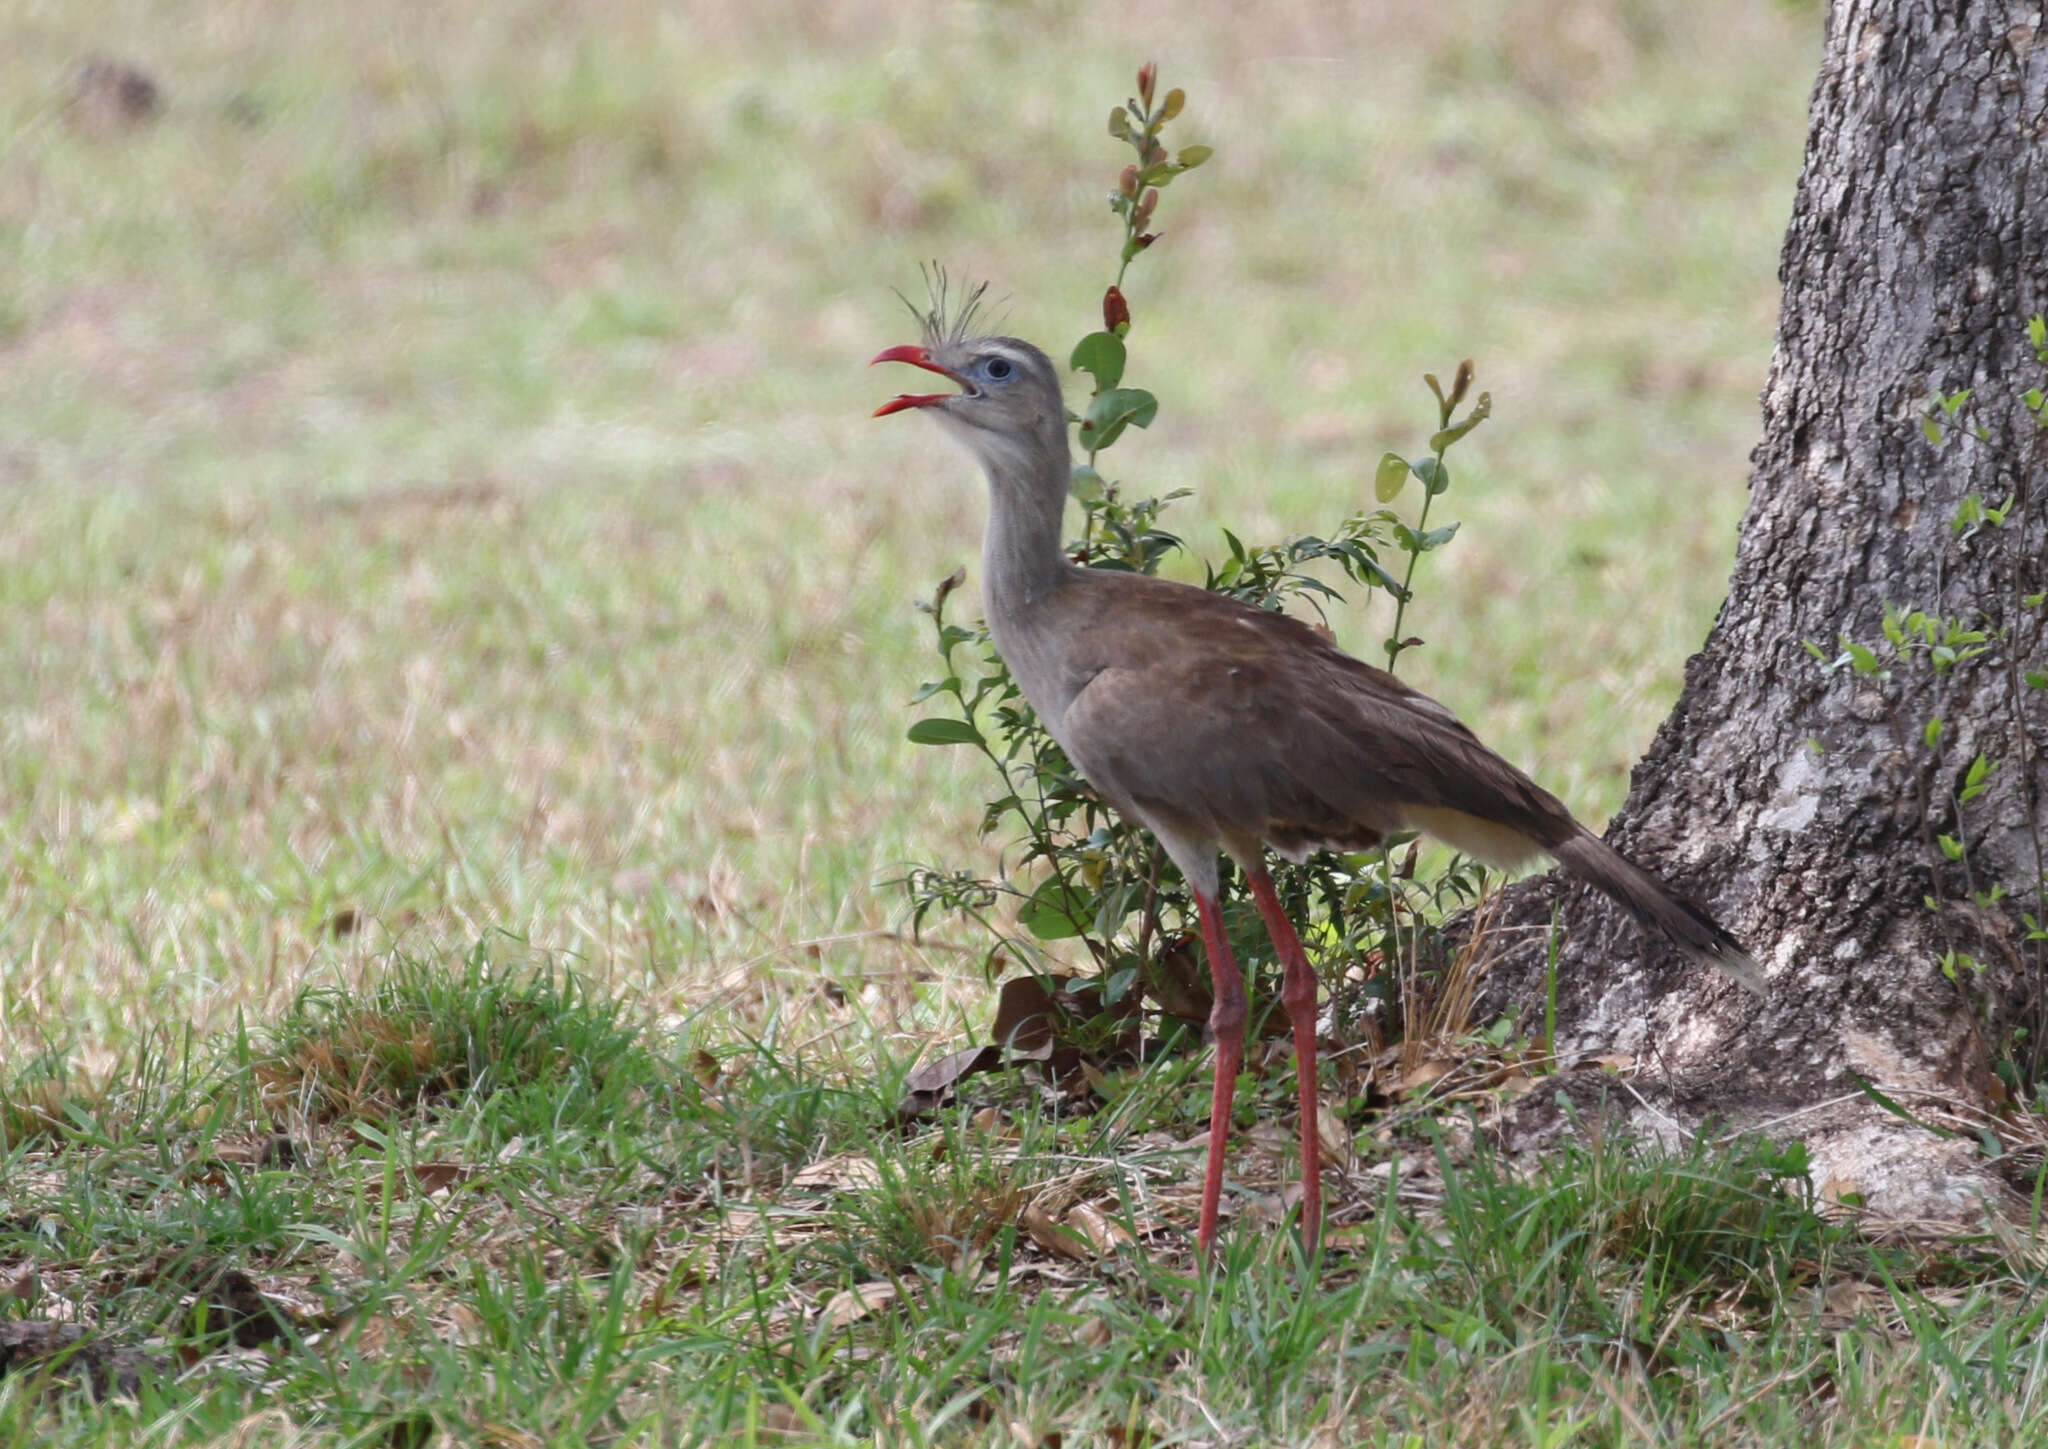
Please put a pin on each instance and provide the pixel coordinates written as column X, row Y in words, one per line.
column 916, row 357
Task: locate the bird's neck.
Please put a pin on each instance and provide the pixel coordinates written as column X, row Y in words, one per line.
column 1022, row 558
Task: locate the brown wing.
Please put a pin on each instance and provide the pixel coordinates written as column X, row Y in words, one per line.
column 1250, row 725
column 1238, row 725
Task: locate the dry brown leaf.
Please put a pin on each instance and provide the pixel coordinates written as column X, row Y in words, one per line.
column 374, row 1334
column 1848, row 1297
column 1357, row 1236
column 1615, row 1062
column 1268, row 1209
column 1334, row 1133
column 1026, row 1018
column 782, row 1421
column 844, row 1173
column 1424, row 1074
column 939, row 1076
column 21, row 1281
column 1103, row 1233
column 434, row 1177
column 1179, row 983
column 462, row 1325
column 1054, row 1238
column 704, row 1067
column 1271, row 1138
column 850, row 1305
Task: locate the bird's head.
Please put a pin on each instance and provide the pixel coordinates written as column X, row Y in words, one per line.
column 1008, row 412
column 1009, row 405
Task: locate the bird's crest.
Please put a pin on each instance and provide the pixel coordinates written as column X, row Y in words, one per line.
column 948, row 318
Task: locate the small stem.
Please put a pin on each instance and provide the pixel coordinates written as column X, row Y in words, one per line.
column 1394, row 645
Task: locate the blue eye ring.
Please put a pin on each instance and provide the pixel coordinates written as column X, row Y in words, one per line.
column 997, row 368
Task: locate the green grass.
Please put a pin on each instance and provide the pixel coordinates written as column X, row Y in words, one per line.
column 723, row 1251
column 437, row 505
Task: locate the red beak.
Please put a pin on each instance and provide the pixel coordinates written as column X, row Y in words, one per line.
column 916, row 357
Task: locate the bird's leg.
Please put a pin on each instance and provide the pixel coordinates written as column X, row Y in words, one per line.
column 1226, row 1025
column 1298, row 995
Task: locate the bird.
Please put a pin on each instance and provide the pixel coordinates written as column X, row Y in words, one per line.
column 1225, row 729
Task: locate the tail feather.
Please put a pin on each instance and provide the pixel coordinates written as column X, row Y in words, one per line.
column 1657, row 906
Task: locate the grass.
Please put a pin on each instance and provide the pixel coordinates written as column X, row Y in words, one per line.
column 437, row 507
column 726, row 1252
column 439, row 497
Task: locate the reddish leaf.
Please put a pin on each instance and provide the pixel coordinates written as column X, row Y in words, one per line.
column 1025, row 1013
column 928, row 1086
column 947, row 1071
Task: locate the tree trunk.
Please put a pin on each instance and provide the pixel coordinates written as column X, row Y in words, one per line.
column 1805, row 807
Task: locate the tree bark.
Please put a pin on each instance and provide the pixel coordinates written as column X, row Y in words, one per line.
column 1804, row 807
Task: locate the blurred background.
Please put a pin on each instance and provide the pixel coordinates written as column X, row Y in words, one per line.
column 438, row 501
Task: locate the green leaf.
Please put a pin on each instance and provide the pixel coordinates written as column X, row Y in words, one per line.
column 944, row 732
column 1393, row 472
column 1978, row 779
column 1870, row 1090
column 2037, row 679
column 1120, row 124
column 1193, row 156
column 1950, row 846
column 1931, row 428
column 1170, row 107
column 1434, row 475
column 949, row 685
column 1932, row 734
column 2037, row 331
column 1436, row 537
column 1087, row 484
column 1481, row 411
column 1048, row 914
column 1101, row 355
column 1114, row 409
column 1860, row 657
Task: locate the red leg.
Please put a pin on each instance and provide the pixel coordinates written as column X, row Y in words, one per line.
column 1226, row 1024
column 1298, row 994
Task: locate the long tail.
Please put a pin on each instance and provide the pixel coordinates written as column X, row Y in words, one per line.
column 1657, row 906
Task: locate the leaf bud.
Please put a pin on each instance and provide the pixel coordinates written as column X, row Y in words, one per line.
column 1461, row 382
column 1116, row 312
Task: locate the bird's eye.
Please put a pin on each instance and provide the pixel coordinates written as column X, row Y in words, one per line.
column 998, row 368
